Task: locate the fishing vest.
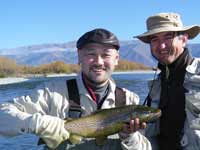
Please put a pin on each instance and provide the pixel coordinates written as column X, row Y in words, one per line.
column 75, row 110
column 172, row 103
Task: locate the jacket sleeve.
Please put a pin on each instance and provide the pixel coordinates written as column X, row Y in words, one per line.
column 14, row 114
column 191, row 137
column 135, row 141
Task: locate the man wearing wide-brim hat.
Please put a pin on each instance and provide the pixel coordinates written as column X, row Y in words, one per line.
column 168, row 38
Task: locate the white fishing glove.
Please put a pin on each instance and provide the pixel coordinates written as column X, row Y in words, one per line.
column 136, row 141
column 50, row 129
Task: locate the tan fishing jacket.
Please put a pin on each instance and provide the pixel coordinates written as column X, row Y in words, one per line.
column 191, row 137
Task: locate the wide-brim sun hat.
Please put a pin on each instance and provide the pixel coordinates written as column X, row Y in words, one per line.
column 166, row 22
column 100, row 36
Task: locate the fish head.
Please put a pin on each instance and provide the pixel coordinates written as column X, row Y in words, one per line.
column 146, row 114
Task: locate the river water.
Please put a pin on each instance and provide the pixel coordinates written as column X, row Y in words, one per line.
column 134, row 81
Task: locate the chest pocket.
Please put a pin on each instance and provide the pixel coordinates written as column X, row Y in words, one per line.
column 75, row 110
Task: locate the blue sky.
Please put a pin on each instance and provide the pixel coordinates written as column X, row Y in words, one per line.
column 30, row 22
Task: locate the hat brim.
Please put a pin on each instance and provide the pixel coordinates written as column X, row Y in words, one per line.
column 192, row 32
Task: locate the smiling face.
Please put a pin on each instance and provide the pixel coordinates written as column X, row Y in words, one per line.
column 166, row 47
column 98, row 62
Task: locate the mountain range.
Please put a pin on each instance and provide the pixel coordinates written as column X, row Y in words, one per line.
column 34, row 55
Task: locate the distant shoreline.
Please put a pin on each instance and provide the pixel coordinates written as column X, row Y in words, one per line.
column 134, row 71
column 10, row 80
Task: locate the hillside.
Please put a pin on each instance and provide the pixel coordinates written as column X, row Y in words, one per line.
column 134, row 51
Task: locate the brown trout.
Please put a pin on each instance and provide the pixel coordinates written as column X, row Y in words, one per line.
column 105, row 122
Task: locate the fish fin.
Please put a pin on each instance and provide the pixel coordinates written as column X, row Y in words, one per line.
column 101, row 140
column 75, row 139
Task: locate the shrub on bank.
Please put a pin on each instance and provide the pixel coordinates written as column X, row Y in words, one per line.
column 8, row 67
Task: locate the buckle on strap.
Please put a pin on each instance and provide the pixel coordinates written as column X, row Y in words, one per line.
column 75, row 110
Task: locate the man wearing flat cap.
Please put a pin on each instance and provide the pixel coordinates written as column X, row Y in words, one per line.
column 43, row 111
column 167, row 38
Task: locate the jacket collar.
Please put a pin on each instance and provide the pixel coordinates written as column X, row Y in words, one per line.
column 178, row 66
column 110, row 100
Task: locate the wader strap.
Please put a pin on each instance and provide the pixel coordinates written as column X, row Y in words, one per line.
column 73, row 91
column 120, row 97
column 74, row 99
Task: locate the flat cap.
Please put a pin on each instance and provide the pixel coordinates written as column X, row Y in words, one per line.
column 101, row 36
